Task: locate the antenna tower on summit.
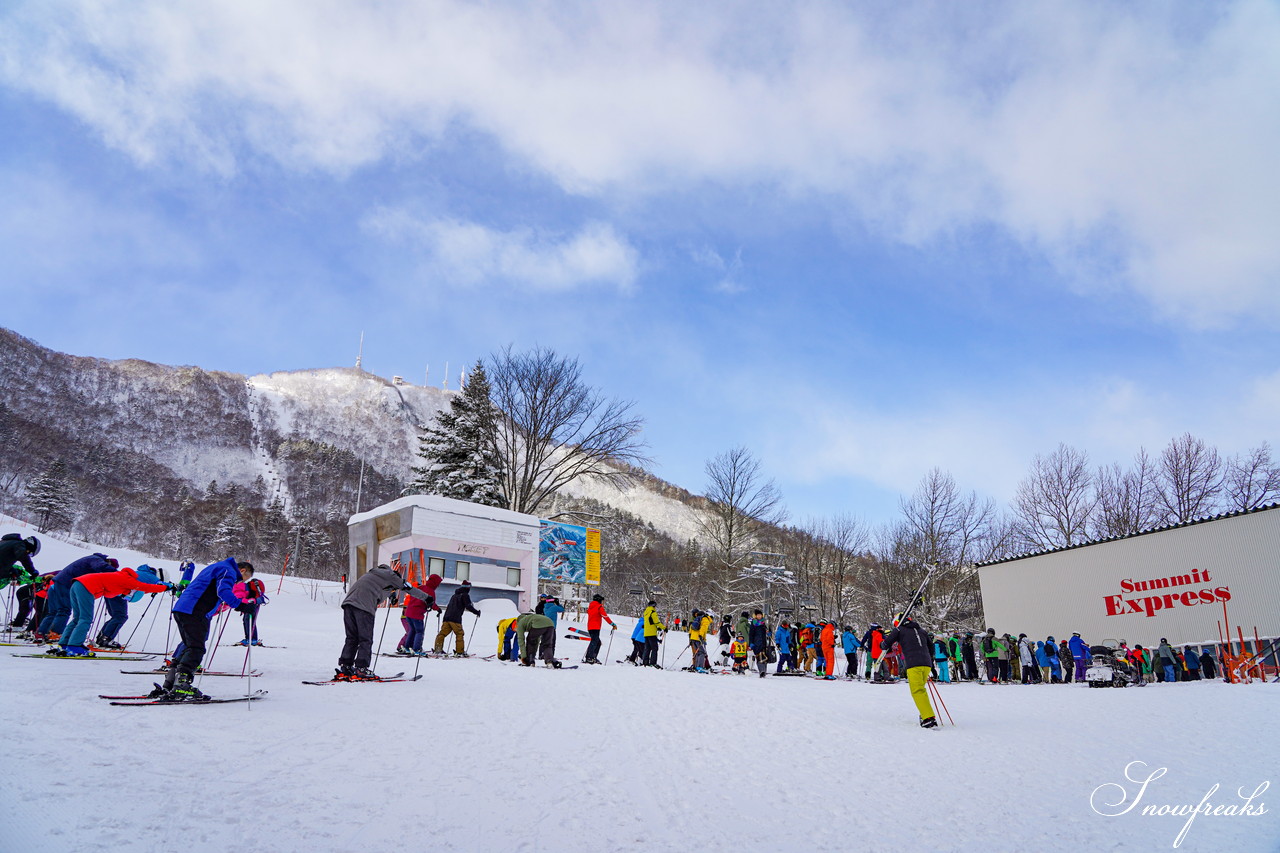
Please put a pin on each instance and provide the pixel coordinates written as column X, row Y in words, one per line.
column 360, row 352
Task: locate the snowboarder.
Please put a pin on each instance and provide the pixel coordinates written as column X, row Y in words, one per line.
column 916, row 657
column 596, row 617
column 458, row 602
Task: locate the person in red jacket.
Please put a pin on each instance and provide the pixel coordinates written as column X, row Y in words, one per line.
column 88, row 588
column 415, row 613
column 596, row 617
column 828, row 640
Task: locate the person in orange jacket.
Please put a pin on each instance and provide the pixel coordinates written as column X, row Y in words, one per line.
column 807, row 653
column 596, row 617
column 88, row 588
column 828, row 640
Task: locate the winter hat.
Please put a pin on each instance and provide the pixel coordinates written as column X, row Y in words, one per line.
column 597, row 598
column 991, row 631
column 1075, row 633
column 145, row 573
column 652, row 603
column 466, row 585
column 431, row 583
column 113, row 562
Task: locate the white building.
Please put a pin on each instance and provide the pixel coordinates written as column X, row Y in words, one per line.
column 1170, row 582
column 495, row 549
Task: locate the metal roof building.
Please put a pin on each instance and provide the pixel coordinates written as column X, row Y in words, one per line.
column 1169, row 582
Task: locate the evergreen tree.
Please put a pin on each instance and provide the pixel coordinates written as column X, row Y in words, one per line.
column 459, row 451
column 49, row 498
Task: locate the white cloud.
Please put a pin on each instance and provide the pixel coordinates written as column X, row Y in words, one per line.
column 729, row 271
column 468, row 254
column 1133, row 146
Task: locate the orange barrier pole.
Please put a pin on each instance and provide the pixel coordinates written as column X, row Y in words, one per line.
column 283, row 572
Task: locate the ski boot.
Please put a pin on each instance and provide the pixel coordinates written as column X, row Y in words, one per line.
column 184, row 691
column 363, row 673
column 158, row 691
column 104, row 643
column 241, row 643
column 256, row 643
column 79, row 652
column 555, row 664
column 401, row 650
column 344, row 672
column 929, row 723
column 57, row 651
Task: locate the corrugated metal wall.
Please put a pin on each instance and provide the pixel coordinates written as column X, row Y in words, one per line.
column 1081, row 589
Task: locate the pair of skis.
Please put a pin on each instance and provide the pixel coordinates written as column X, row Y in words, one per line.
column 399, row 676
column 147, row 700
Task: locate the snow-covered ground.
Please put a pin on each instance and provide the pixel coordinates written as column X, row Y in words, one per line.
column 485, row 756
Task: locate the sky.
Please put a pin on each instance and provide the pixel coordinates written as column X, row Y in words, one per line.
column 861, row 240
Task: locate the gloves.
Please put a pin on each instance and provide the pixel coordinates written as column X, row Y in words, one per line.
column 169, row 586
column 243, row 608
column 612, row 627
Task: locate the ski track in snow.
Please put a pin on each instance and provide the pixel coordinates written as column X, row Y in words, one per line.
column 482, row 755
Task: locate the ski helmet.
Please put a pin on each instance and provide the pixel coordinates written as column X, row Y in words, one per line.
column 33, row 545
column 597, row 598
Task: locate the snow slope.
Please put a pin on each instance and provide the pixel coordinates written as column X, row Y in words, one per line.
column 485, row 756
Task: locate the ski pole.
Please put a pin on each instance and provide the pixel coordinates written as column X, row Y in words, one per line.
column 938, row 695
column 95, row 624
column 207, row 664
column 385, row 620
column 467, row 648
column 8, row 614
column 141, row 619
column 608, row 651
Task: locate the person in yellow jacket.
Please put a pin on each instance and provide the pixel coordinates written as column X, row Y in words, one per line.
column 508, row 645
column 652, row 630
column 699, row 626
column 738, row 651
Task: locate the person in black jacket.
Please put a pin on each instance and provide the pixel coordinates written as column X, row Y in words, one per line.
column 916, row 657
column 758, row 641
column 15, row 556
column 452, row 619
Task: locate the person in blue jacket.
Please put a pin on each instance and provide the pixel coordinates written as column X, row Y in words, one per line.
column 552, row 610
column 1193, row 663
column 1080, row 654
column 1051, row 652
column 1042, row 661
column 940, row 661
column 849, row 642
column 637, row 643
column 57, row 606
column 213, row 586
column 784, row 639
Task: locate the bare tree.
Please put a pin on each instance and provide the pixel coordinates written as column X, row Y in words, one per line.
column 1126, row 500
column 554, row 428
column 1252, row 479
column 1055, row 501
column 742, row 506
column 1190, row 479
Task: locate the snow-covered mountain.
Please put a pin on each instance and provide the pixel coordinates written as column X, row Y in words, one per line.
column 134, row 426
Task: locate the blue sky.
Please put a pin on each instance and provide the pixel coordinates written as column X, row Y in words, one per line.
column 861, row 241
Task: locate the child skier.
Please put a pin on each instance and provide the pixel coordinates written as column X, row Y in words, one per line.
column 254, row 595
column 738, row 651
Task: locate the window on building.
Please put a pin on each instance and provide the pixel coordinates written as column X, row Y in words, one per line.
column 464, row 570
column 513, row 577
column 437, row 566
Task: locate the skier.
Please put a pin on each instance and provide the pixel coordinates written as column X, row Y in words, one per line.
column 991, row 655
column 738, row 651
column 956, row 651
column 915, row 653
column 552, row 610
column 415, row 612
column 1168, row 660
column 458, row 602
column 596, row 617
column 637, row 644
column 359, row 609
column 784, row 638
column 828, row 640
column 118, row 609
column 940, row 659
column 872, row 642
column 807, row 654
column 850, row 645
column 1065, row 660
column 15, row 556
column 537, row 637
column 187, row 570
column 85, row 590
column 1026, row 658
column 970, row 657
column 196, row 606
column 254, row 594
column 1042, row 661
column 57, row 608
column 758, row 641
column 507, row 646
column 653, row 628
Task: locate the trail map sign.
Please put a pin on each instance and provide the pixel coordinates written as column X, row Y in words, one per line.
column 562, row 553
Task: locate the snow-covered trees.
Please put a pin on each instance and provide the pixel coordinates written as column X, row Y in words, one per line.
column 49, row 497
column 459, row 452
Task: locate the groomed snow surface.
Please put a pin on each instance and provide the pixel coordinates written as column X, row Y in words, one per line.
column 486, row 756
